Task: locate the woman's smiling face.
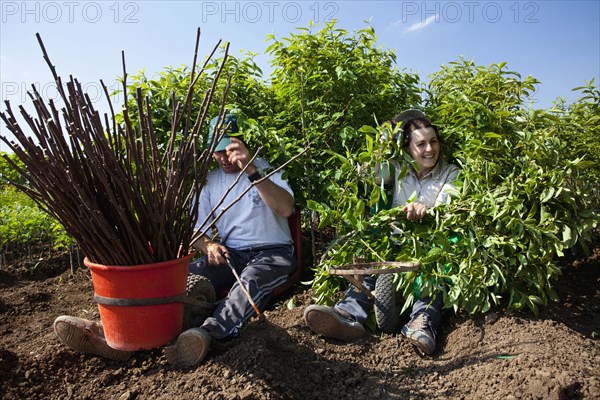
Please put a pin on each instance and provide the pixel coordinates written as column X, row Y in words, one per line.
column 424, row 148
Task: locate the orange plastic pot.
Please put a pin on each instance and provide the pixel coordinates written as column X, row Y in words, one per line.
column 138, row 305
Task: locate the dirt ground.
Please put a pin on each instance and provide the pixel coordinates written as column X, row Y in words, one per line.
column 502, row 355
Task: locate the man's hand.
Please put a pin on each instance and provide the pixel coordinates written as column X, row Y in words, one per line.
column 238, row 154
column 415, row 211
column 216, row 253
column 275, row 197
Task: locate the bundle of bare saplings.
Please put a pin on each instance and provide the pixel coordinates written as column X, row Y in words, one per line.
column 124, row 198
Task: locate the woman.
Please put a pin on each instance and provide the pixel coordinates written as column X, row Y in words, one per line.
column 430, row 183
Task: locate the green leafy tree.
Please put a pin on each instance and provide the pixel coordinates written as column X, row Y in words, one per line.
column 247, row 93
column 324, row 86
column 327, row 83
column 523, row 196
column 578, row 126
column 521, row 202
column 518, row 205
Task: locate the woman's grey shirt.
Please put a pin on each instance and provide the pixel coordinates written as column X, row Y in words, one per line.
column 430, row 190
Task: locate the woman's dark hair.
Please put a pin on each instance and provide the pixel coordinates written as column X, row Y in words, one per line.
column 412, row 125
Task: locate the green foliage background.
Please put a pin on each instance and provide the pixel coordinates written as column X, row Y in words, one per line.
column 523, row 197
column 21, row 220
column 529, row 178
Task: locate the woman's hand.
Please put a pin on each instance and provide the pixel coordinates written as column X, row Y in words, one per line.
column 415, row 211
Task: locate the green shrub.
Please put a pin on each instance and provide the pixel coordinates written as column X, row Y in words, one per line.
column 22, row 222
column 7, row 171
column 327, row 83
column 526, row 189
column 578, row 126
column 519, row 204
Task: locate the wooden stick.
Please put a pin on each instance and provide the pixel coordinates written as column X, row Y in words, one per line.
column 239, row 281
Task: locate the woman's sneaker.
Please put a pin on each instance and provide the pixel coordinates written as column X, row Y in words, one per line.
column 86, row 336
column 326, row 321
column 420, row 333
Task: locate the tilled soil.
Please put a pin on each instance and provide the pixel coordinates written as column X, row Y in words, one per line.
column 502, row 355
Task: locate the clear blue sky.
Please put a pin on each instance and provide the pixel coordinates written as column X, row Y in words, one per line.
column 558, row 42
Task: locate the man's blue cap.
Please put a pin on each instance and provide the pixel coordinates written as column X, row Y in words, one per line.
column 231, row 120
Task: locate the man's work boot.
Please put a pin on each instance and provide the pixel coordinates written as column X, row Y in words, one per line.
column 86, row 336
column 189, row 349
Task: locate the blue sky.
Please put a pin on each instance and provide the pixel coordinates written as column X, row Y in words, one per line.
column 558, row 42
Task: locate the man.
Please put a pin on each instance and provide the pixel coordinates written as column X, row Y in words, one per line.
column 254, row 239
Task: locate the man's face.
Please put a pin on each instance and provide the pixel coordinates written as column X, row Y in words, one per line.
column 222, row 159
